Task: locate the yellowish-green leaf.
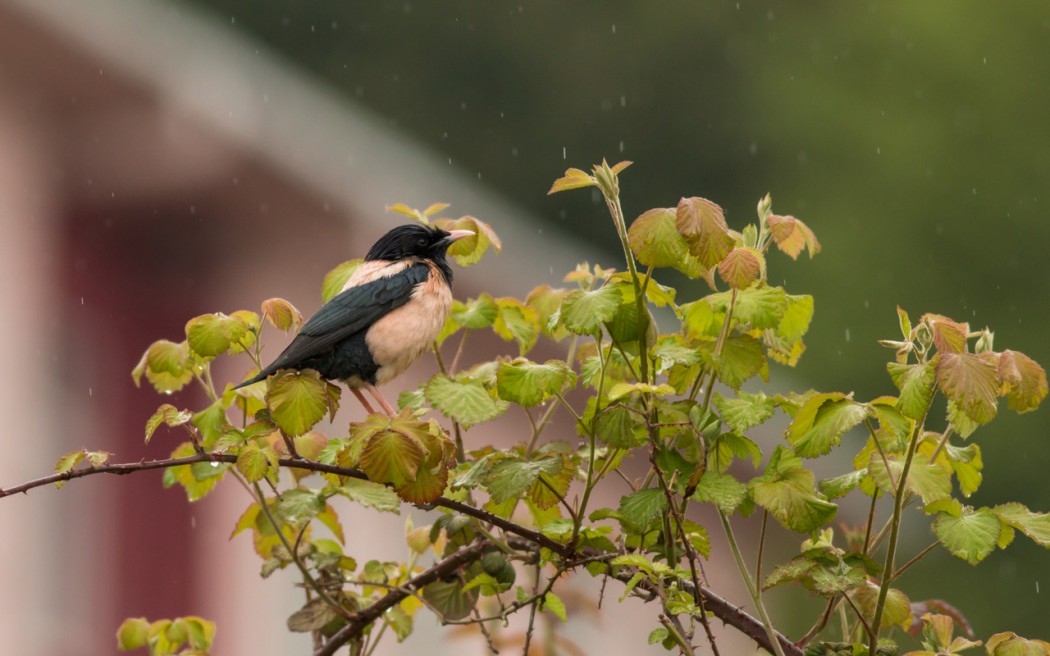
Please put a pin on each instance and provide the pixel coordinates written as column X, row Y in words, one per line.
column 468, row 402
column 583, row 312
column 916, row 385
column 529, row 383
column 477, row 313
column 742, row 357
column 1011, row 644
column 517, row 322
column 573, row 179
column 928, row 480
column 132, row 634
column 335, row 279
column 297, row 400
column 166, row 365
column 255, row 463
column 166, row 414
column 821, row 421
column 1035, row 525
column 970, row 536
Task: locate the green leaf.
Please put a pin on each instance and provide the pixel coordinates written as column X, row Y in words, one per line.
column 297, row 400
column 758, row 307
column 449, row 599
column 728, row 446
column 657, row 635
column 641, row 511
column 723, row 490
column 511, row 477
column 840, row 486
column 552, row 603
column 971, row 382
column 529, row 383
column 741, row 358
column 785, row 489
column 798, row 312
column 655, row 240
column 699, row 319
column 166, row 365
column 583, row 312
column 282, row 314
column 211, row 335
column 166, row 414
column 742, row 267
column 468, row 403
column 67, row 463
column 926, row 479
column 132, row 634
column 517, row 322
column 971, row 536
column 371, row 495
column 573, row 179
column 335, row 279
column 821, row 421
column 477, row 313
column 1024, row 380
column 915, row 382
column 744, row 410
column 703, row 225
column 314, row 616
column 967, row 464
column 620, row 428
column 300, row 504
column 1035, row 525
column 391, row 456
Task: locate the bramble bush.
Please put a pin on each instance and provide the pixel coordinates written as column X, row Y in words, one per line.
column 511, row 522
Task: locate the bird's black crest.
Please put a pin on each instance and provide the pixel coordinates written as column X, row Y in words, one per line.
column 414, row 240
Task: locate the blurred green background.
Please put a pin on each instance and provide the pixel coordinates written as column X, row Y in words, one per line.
column 911, row 136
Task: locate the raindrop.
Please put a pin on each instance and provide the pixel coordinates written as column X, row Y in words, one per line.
column 974, row 190
column 1037, row 587
column 91, row 391
column 463, row 105
column 514, row 151
column 847, row 334
column 623, row 101
column 621, row 146
column 878, row 150
column 479, row 175
column 866, row 305
column 450, row 161
column 81, row 300
column 214, row 464
column 984, row 60
column 753, row 148
column 564, row 153
column 193, row 520
column 614, row 28
column 233, row 20
column 167, row 392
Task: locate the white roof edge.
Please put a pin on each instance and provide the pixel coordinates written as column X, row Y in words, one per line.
column 325, row 141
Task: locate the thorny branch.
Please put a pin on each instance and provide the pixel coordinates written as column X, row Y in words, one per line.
column 713, row 603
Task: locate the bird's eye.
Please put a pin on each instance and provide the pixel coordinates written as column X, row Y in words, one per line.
column 421, row 242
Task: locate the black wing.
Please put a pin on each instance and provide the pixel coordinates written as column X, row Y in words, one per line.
column 350, row 312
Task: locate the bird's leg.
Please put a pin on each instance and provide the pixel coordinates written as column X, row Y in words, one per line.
column 361, row 397
column 379, row 397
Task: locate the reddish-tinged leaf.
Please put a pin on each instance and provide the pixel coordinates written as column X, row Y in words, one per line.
column 573, row 179
column 948, row 336
column 282, row 314
column 741, row 267
column 390, row 456
column 791, row 236
column 703, row 224
column 971, row 382
column 1024, row 381
column 619, row 166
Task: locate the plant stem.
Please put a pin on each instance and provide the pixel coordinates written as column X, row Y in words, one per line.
column 752, row 589
column 895, row 524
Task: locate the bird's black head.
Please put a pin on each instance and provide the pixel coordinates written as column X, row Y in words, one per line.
column 417, row 240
